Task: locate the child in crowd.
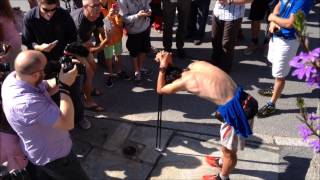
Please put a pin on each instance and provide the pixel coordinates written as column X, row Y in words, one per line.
column 114, row 29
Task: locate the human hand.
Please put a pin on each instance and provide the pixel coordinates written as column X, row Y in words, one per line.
column 69, row 77
column 164, row 58
column 142, row 13
column 271, row 17
column 273, row 27
column 44, row 47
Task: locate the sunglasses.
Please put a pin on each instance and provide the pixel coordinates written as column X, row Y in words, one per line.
column 49, row 10
column 95, row 6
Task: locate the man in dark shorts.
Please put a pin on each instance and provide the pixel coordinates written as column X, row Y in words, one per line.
column 236, row 108
column 259, row 10
column 88, row 19
column 136, row 17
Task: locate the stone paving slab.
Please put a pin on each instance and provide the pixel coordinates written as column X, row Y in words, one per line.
column 103, row 157
column 103, row 165
column 185, row 159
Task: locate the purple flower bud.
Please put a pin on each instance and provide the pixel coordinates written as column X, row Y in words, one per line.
column 304, row 132
column 315, row 144
column 313, row 117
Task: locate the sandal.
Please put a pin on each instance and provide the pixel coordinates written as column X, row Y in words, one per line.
column 95, row 108
column 96, row 92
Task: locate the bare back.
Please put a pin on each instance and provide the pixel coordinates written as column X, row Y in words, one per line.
column 209, row 82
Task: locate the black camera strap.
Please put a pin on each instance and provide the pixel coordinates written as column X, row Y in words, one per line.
column 159, row 124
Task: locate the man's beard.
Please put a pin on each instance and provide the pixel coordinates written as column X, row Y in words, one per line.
column 39, row 80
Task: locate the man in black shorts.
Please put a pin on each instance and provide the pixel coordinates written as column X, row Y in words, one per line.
column 259, row 10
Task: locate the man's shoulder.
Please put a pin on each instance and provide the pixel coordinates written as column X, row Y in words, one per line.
column 77, row 13
column 63, row 13
column 32, row 14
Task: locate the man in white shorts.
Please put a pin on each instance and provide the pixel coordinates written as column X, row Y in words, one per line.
column 235, row 108
column 283, row 47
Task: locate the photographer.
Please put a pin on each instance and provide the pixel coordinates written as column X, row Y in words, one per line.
column 49, row 28
column 10, row 150
column 42, row 126
column 236, row 108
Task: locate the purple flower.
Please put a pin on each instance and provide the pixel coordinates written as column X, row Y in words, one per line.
column 313, row 117
column 304, row 132
column 300, row 62
column 305, row 66
column 315, row 53
column 318, row 127
column 315, row 144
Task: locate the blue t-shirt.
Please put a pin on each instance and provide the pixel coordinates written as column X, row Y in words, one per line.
column 292, row 7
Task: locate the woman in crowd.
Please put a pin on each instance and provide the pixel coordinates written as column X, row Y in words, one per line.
column 8, row 32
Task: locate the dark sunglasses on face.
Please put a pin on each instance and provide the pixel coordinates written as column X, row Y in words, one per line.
column 94, row 5
column 49, row 10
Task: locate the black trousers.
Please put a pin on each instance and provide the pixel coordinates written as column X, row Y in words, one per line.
column 199, row 12
column 169, row 13
column 224, row 37
column 66, row 168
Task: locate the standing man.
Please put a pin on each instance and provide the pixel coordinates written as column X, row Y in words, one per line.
column 283, row 47
column 136, row 17
column 258, row 11
column 48, row 29
column 169, row 13
column 43, row 127
column 236, row 108
column 226, row 23
column 88, row 19
column 198, row 19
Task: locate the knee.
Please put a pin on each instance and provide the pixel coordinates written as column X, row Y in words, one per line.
column 229, row 154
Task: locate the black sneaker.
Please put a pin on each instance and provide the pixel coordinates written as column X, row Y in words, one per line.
column 123, row 75
column 266, row 111
column 266, row 92
column 109, row 82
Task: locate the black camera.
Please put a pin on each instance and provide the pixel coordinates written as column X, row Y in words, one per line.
column 52, row 69
column 172, row 73
column 4, row 67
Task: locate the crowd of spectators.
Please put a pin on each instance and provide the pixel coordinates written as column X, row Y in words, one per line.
column 38, row 115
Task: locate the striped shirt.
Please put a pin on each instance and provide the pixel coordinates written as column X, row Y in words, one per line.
column 228, row 12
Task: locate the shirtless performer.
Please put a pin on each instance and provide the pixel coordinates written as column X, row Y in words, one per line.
column 236, row 108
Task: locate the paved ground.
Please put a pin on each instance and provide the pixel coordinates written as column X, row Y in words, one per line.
column 274, row 152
